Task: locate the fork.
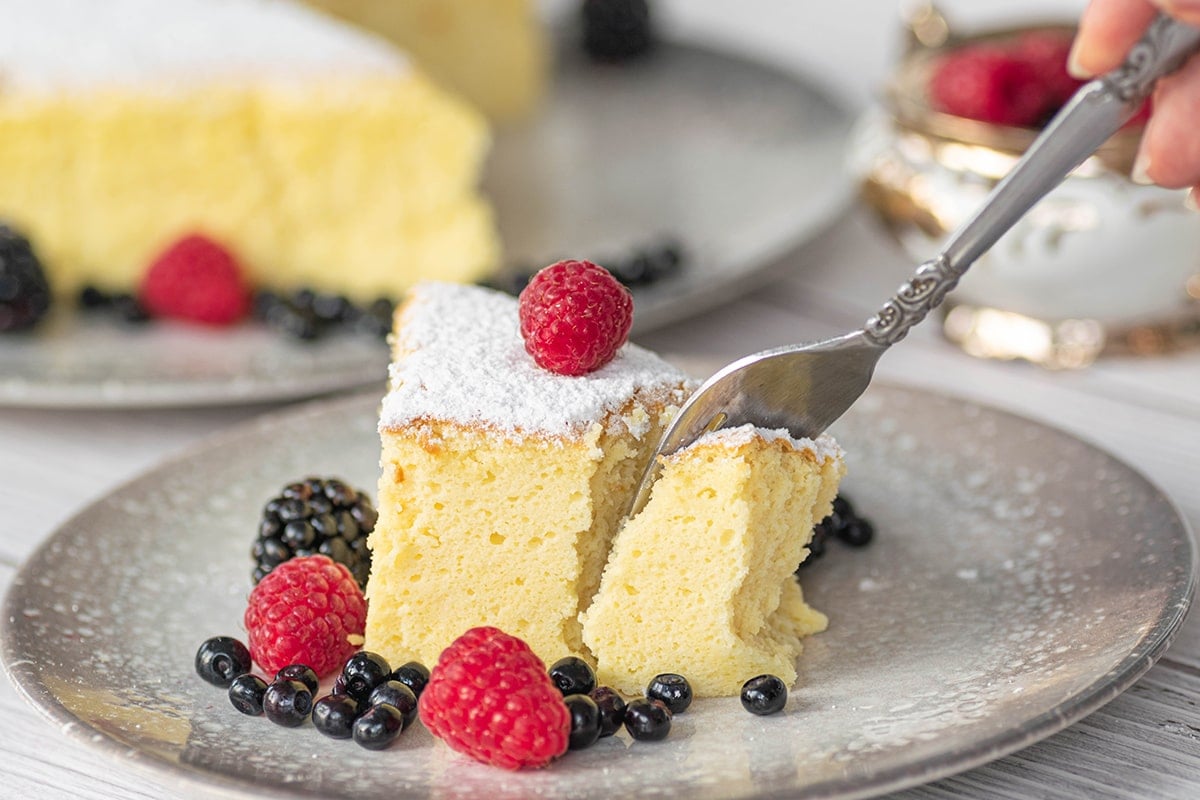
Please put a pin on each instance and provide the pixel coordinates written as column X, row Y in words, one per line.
column 805, row 388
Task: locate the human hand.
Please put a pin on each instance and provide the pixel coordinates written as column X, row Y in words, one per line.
column 1169, row 154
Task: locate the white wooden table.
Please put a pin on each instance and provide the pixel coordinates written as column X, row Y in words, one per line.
column 1145, row 744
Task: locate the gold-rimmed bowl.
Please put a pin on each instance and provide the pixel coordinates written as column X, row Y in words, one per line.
column 1103, row 265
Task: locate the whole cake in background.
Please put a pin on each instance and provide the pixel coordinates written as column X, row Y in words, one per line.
column 504, row 485
column 318, row 154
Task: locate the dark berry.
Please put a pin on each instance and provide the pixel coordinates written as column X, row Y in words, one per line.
column 287, row 703
column 91, row 297
column 572, row 675
column 129, row 309
column 246, row 693
column 857, row 533
column 647, row 720
column 414, row 675
column 617, row 30
column 585, row 721
column 378, row 726
column 612, row 709
column 315, row 515
column 24, row 291
column 363, row 672
column 334, row 715
column 221, row 659
column 396, row 694
column 302, row 673
column 673, row 690
column 764, row 695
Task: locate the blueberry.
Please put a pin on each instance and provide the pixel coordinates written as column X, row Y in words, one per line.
column 287, row 703
column 585, row 721
column 764, row 695
column 396, row 694
column 302, row 673
column 246, row 693
column 334, row 715
column 673, row 690
column 414, row 675
column 858, row 532
column 378, row 726
column 572, row 675
column 221, row 659
column 647, row 720
column 363, row 672
column 612, row 709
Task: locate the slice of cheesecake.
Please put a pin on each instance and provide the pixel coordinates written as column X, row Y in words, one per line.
column 701, row 581
column 319, row 154
column 502, row 484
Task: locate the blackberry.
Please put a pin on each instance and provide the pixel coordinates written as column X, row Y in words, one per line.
column 93, row 297
column 612, row 709
column 414, row 675
column 617, row 30
column 585, row 721
column 765, row 694
column 376, row 319
column 334, row 715
column 316, row 515
column 647, row 720
column 378, row 726
column 673, row 690
column 397, row 695
column 246, row 693
column 24, row 290
column 129, row 309
column 221, row 659
column 287, row 703
column 363, row 672
column 572, row 675
column 302, row 673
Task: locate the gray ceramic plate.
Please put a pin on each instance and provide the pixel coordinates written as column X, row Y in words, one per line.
column 1020, row 579
column 739, row 162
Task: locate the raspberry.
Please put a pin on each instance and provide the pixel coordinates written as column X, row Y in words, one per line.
column 198, row 280
column 1047, row 51
column 490, row 697
column 308, row 610
column 574, row 317
column 989, row 84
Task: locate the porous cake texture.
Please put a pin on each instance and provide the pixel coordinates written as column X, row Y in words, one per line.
column 701, row 582
column 319, row 154
column 502, row 484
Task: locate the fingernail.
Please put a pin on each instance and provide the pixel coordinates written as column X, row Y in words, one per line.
column 1140, row 172
column 1074, row 68
column 1189, row 201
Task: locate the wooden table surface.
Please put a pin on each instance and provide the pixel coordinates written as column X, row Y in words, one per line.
column 1144, row 744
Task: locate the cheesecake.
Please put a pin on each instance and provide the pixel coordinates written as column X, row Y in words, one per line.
column 322, row 156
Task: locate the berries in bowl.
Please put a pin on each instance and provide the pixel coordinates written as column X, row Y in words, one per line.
column 1101, row 265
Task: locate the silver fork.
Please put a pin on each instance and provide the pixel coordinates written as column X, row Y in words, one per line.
column 805, row 388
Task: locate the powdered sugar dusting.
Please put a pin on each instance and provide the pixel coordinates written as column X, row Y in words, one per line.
column 57, row 45
column 463, row 361
column 824, row 447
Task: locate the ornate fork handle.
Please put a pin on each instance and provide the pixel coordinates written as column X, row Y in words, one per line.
column 1096, row 112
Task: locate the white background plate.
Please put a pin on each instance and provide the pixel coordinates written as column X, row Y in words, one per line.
column 1020, row 579
column 739, row 162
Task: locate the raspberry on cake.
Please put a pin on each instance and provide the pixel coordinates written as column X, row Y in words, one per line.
column 316, row 153
column 701, row 581
column 502, row 484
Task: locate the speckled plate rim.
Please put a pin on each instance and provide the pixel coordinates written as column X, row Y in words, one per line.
column 1106, row 687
